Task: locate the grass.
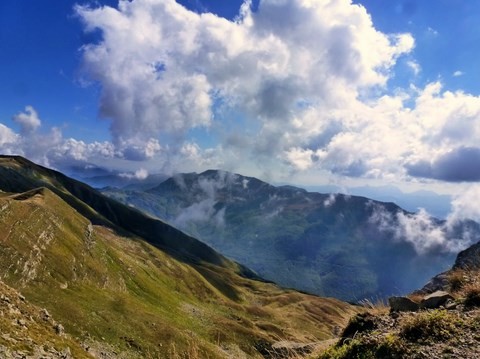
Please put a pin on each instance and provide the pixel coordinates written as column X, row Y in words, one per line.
column 141, row 301
column 387, row 347
column 456, row 280
column 471, row 294
column 430, row 325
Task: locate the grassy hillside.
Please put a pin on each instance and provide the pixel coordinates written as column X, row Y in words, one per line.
column 117, row 293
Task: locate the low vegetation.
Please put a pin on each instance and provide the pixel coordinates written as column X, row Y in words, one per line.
column 431, row 325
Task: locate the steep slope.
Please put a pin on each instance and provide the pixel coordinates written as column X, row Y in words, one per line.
column 122, row 296
column 30, row 331
column 299, row 239
column 19, row 175
column 443, row 324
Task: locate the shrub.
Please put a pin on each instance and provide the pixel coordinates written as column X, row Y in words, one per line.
column 456, row 280
column 437, row 324
column 388, row 347
column 472, row 295
column 360, row 323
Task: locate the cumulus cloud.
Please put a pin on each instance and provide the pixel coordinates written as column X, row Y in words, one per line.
column 28, row 120
column 291, row 67
column 49, row 147
column 8, row 138
column 297, row 85
column 135, row 150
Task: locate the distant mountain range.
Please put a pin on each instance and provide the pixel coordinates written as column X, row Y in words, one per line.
column 337, row 245
column 438, row 205
column 100, row 279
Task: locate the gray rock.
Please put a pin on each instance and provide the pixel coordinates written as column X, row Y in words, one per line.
column 435, row 300
column 402, row 304
column 59, row 329
column 450, row 305
column 439, row 282
column 44, row 314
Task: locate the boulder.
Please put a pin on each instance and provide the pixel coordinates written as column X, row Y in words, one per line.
column 402, row 304
column 436, row 300
column 59, row 329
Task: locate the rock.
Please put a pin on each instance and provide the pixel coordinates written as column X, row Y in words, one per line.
column 439, row 282
column 402, row 304
column 44, row 314
column 450, row 305
column 59, row 329
column 468, row 259
column 21, row 322
column 435, row 300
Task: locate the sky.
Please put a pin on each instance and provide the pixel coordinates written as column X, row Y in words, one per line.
column 302, row 91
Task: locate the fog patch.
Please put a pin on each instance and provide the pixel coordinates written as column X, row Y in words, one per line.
column 140, row 174
column 330, row 201
column 425, row 233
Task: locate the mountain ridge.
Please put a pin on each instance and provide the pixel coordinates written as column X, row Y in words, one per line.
column 112, row 212
column 244, row 217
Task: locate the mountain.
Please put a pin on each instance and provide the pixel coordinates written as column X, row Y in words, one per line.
column 100, row 279
column 127, row 182
column 437, row 205
column 348, row 247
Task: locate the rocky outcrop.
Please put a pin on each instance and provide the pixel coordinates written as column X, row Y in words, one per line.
column 30, row 332
column 468, row 259
column 436, row 300
column 402, row 304
column 439, row 282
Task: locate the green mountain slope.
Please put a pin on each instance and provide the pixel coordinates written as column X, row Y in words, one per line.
column 330, row 245
column 67, row 249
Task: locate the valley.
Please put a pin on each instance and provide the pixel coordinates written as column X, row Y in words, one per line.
column 303, row 240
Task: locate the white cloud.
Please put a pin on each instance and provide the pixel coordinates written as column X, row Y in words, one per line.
column 458, row 73
column 291, row 68
column 465, row 205
column 139, row 174
column 414, row 66
column 330, row 201
column 298, row 85
column 7, row 137
column 300, row 158
column 425, row 233
column 28, row 120
column 49, row 147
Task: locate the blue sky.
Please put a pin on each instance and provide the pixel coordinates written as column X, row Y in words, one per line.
column 294, row 90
